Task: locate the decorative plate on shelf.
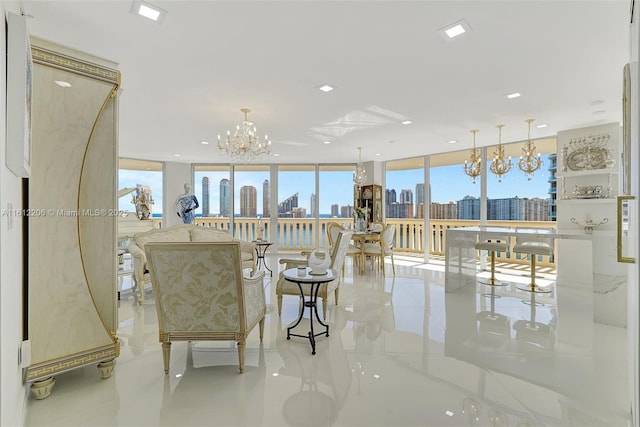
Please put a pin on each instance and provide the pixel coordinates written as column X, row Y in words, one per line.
column 587, row 192
column 588, row 158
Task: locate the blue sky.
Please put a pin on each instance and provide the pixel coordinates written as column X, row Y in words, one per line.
column 448, row 183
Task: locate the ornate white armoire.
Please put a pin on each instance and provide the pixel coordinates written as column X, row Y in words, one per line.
column 72, row 266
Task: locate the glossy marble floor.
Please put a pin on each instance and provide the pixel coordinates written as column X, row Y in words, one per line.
column 401, row 352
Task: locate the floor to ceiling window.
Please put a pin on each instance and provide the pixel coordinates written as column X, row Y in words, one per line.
column 516, row 196
column 212, row 186
column 405, row 201
column 335, row 199
column 251, row 199
column 140, row 187
column 297, row 206
column 455, row 196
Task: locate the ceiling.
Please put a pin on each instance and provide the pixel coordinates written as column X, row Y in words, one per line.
column 185, row 80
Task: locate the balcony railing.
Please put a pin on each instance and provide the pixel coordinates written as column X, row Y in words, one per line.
column 297, row 234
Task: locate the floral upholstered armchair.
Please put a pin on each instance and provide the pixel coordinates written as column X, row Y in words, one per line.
column 201, row 294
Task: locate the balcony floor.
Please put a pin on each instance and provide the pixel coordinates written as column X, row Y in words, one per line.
column 401, row 352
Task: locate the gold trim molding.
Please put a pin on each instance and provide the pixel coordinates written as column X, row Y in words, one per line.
column 55, row 59
column 52, row 367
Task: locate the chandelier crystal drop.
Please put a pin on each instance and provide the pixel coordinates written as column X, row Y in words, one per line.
column 529, row 161
column 473, row 167
column 360, row 175
column 499, row 166
column 244, row 145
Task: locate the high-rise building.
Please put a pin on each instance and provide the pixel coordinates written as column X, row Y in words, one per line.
column 390, row 197
column 205, row 196
column 469, row 208
column 225, row 198
column 248, row 201
column 285, row 208
column 346, row 211
column 510, row 209
column 536, row 209
column 313, row 206
column 335, row 210
column 443, row 210
column 400, row 210
column 298, row 213
column 266, row 199
column 419, row 194
column 406, row 196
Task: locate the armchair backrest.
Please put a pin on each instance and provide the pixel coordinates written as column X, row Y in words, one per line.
column 386, row 238
column 333, row 229
column 198, row 287
column 339, row 250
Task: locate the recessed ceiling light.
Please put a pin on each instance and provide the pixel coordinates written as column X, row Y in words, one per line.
column 148, row 10
column 204, row 142
column 452, row 141
column 326, row 142
column 406, row 122
column 275, row 374
column 597, row 102
column 326, row 88
column 276, row 155
column 62, row 83
column 514, row 95
column 542, row 125
column 177, row 155
column 455, row 30
column 449, row 413
column 378, row 154
column 599, row 112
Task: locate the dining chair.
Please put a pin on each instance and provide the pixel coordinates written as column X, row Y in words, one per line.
column 333, row 229
column 382, row 248
column 338, row 253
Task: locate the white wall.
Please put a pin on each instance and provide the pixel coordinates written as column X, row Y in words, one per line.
column 174, row 176
column 13, row 392
column 634, row 269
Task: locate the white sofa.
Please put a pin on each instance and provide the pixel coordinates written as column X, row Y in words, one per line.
column 179, row 234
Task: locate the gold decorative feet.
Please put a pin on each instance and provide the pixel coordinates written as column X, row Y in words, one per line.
column 42, row 389
column 106, row 368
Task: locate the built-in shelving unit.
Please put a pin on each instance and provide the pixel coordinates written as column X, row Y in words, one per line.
column 369, row 197
column 588, row 184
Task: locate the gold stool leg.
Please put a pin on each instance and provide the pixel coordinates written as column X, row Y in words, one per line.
column 492, row 280
column 532, row 287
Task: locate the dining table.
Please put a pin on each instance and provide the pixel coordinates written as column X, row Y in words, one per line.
column 359, row 239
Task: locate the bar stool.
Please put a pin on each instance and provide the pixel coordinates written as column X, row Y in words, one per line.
column 533, row 246
column 492, row 244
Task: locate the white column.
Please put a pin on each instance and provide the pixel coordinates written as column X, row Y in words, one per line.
column 174, row 176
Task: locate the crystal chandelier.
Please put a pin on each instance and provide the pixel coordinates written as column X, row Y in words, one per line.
column 474, row 166
column 244, row 144
column 499, row 165
column 360, row 175
column 529, row 162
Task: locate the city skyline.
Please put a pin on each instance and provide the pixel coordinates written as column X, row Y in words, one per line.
column 448, row 183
